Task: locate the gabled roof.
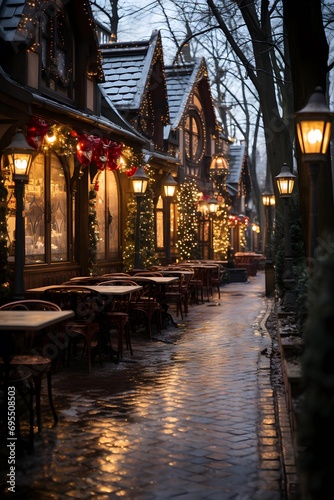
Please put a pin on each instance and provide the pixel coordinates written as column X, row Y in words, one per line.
column 181, row 80
column 236, row 156
column 128, row 68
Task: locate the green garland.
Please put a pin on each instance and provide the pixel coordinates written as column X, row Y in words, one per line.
column 5, row 274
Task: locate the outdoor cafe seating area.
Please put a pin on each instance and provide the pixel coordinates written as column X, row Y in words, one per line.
column 94, row 318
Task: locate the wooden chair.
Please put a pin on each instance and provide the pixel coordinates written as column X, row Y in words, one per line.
column 146, row 305
column 215, row 279
column 175, row 293
column 35, row 364
column 118, row 315
column 21, row 380
column 87, row 307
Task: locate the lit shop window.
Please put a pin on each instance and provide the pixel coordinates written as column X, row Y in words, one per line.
column 107, row 215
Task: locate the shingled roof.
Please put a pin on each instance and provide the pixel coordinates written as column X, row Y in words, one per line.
column 181, row 80
column 237, row 158
column 10, row 16
column 128, row 68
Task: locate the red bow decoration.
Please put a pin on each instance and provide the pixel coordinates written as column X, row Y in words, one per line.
column 85, row 149
column 106, row 153
column 37, row 129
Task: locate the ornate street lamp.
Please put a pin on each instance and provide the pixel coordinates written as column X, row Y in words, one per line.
column 169, row 189
column 313, row 124
column 19, row 155
column 285, row 183
column 139, row 182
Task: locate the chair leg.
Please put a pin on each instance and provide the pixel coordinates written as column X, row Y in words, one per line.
column 54, row 413
column 37, row 386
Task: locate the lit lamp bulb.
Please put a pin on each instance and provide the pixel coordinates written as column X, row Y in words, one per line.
column 20, row 165
column 314, row 136
column 50, row 137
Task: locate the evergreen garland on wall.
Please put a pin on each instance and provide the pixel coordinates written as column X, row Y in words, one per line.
column 187, row 229
column 4, row 268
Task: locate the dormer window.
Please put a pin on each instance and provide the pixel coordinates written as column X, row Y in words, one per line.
column 55, row 47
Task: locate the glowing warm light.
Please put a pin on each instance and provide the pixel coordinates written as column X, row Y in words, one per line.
column 313, row 124
column 51, row 138
column 20, row 164
column 285, row 182
column 314, row 136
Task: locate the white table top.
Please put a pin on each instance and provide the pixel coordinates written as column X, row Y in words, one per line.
column 104, row 290
column 31, row 320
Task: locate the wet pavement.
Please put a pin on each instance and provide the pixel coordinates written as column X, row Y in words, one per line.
column 190, row 415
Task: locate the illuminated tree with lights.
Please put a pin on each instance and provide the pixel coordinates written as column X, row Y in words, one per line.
column 147, row 229
column 221, row 231
column 187, row 225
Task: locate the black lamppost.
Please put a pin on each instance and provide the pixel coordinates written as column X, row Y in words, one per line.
column 18, row 155
column 213, row 207
column 285, row 183
column 314, row 123
column 268, row 200
column 169, row 189
column 139, row 184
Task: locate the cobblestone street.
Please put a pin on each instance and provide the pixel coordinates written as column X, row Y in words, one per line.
column 191, row 415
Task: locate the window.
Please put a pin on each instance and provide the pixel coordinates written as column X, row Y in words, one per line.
column 194, row 136
column 107, row 215
column 46, row 213
column 55, row 51
column 159, row 224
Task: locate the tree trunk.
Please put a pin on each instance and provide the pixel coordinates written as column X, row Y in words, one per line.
column 309, row 55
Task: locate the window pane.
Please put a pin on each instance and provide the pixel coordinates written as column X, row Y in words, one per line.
column 100, row 208
column 58, row 197
column 160, row 224
column 113, row 215
column 35, row 211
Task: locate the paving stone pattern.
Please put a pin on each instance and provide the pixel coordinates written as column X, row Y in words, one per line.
column 190, row 416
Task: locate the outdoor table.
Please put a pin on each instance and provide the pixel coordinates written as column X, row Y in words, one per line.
column 13, row 321
column 103, row 290
column 109, row 291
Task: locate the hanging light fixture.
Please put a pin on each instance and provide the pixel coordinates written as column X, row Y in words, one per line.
column 285, row 182
column 139, row 182
column 170, row 186
column 314, row 123
column 19, row 156
column 213, row 205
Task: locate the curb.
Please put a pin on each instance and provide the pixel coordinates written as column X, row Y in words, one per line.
column 286, row 443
